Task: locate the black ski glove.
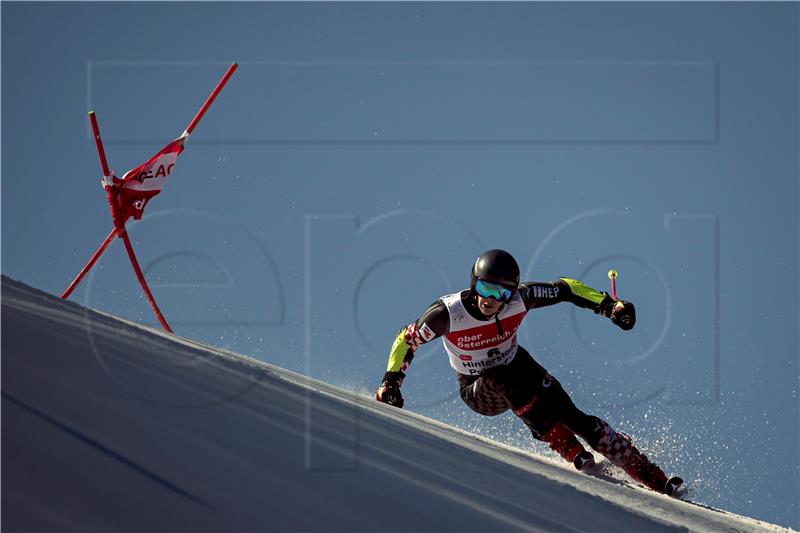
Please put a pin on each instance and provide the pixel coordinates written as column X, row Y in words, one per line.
column 621, row 312
column 389, row 389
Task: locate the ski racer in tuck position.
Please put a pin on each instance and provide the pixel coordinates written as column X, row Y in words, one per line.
column 479, row 326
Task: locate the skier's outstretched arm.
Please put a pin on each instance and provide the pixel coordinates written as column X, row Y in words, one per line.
column 433, row 323
column 541, row 294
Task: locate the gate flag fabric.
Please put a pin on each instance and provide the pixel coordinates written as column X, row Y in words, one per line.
column 139, row 185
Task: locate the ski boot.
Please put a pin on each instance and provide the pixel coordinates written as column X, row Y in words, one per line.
column 617, row 447
column 639, row 467
column 564, row 443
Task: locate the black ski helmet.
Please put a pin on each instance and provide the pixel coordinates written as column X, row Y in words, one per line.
column 497, row 266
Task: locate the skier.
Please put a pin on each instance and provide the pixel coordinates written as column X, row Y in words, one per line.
column 479, row 326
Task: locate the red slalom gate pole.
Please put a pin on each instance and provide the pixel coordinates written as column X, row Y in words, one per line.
column 106, row 173
column 121, row 230
column 210, row 99
column 90, row 264
column 113, row 203
column 99, row 143
column 143, row 283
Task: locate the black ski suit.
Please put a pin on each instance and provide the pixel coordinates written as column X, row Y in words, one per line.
column 523, row 385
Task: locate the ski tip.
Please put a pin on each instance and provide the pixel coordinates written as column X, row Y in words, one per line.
column 584, row 461
column 673, row 485
column 90, row 113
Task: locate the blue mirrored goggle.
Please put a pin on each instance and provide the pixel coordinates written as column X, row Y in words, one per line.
column 487, row 289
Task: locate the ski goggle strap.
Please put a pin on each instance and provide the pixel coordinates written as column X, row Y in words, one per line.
column 487, row 289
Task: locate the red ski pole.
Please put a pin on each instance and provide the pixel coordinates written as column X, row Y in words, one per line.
column 612, row 275
column 210, row 99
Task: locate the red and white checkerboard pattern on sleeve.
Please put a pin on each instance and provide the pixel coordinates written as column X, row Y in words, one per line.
column 413, row 337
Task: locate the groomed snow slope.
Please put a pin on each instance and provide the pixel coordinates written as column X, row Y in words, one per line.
column 109, row 425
